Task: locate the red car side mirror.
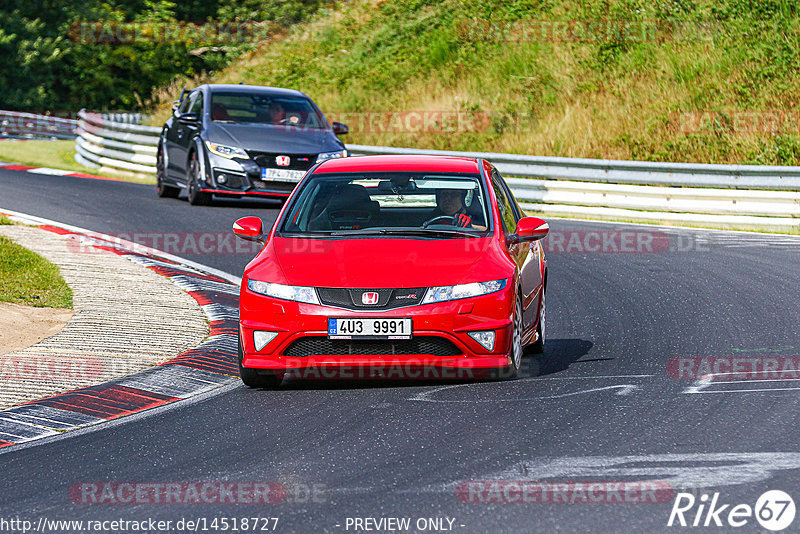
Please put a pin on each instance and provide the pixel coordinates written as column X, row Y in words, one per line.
column 530, row 229
column 249, row 228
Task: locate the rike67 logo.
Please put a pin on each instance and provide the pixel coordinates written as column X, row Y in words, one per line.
column 774, row 510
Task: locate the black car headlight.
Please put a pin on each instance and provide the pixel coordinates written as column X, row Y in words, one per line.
column 226, row 151
column 332, row 155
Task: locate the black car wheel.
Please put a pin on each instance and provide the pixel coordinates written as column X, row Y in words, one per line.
column 253, row 378
column 196, row 196
column 163, row 190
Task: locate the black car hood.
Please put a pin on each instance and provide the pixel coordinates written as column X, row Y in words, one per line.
column 268, row 138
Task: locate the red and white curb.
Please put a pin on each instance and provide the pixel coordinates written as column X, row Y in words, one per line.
column 54, row 172
column 211, row 365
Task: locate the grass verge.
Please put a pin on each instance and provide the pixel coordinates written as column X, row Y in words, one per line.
column 54, row 154
column 29, row 279
column 714, row 81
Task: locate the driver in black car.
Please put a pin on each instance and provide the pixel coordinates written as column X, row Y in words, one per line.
column 280, row 115
column 277, row 113
column 450, row 203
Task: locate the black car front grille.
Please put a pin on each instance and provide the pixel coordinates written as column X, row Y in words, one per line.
column 297, row 162
column 388, row 299
column 279, row 187
column 321, row 346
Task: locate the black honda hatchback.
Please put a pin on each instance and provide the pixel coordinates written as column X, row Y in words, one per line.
column 240, row 140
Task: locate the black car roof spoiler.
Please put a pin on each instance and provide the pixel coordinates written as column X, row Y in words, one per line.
column 180, row 98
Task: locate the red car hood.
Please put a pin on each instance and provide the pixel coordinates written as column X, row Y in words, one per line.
column 381, row 263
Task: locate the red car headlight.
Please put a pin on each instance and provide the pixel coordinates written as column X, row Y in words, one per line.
column 280, row 291
column 462, row 291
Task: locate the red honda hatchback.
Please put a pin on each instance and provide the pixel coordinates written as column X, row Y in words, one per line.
column 397, row 266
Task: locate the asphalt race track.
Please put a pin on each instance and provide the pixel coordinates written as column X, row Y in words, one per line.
column 605, row 403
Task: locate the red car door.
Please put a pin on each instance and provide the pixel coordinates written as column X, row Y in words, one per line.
column 527, row 255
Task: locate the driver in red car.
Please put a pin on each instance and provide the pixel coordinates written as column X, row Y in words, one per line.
column 450, row 203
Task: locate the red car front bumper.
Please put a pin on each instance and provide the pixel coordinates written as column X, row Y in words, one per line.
column 443, row 327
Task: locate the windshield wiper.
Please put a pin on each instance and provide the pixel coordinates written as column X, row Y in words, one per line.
column 422, row 232
column 366, row 231
column 427, row 231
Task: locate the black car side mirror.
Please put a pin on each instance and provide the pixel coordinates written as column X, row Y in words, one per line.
column 339, row 128
column 189, row 118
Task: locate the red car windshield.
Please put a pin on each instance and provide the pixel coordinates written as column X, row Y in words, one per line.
column 431, row 205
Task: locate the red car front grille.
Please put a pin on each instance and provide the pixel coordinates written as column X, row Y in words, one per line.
column 387, row 298
column 321, row 346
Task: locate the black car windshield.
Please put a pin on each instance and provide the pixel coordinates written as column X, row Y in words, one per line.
column 433, row 205
column 265, row 108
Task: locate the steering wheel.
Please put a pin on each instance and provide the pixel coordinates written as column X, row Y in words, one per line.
column 439, row 218
column 292, row 120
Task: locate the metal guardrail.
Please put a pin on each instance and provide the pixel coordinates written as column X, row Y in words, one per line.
column 123, row 116
column 728, row 196
column 623, row 172
column 117, row 147
column 25, row 125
